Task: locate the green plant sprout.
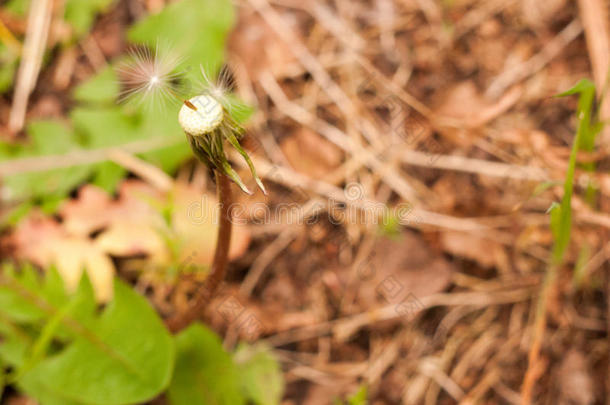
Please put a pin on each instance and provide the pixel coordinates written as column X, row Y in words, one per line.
column 561, row 217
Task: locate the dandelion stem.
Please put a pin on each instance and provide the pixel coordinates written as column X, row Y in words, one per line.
column 208, row 289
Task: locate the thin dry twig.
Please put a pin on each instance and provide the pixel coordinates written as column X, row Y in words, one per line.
column 476, row 166
column 336, row 136
column 80, row 157
column 145, row 170
column 275, row 248
column 343, row 328
column 535, row 63
column 416, row 216
column 39, row 22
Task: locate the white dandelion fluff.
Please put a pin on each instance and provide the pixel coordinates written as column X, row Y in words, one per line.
column 150, row 76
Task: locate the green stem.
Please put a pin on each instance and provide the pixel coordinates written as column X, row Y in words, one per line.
column 208, row 289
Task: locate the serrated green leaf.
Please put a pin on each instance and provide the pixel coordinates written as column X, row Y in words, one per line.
column 124, row 356
column 205, row 373
column 44, row 339
column 15, row 341
column 13, row 305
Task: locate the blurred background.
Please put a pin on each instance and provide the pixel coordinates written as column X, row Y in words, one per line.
column 412, row 150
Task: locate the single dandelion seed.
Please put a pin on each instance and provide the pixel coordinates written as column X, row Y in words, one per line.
column 220, row 89
column 150, row 76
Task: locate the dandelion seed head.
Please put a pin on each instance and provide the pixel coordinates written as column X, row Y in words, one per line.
column 207, row 116
column 209, row 122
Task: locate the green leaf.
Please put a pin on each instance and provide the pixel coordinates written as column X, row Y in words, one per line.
column 583, row 86
column 542, row 187
column 561, row 216
column 101, row 88
column 164, row 123
column 200, row 34
column 580, row 266
column 16, row 214
column 124, row 356
column 8, row 66
column 360, row 397
column 18, row 7
column 170, row 157
column 13, row 305
column 108, row 176
column 205, row 373
column 261, row 376
column 48, row 138
column 15, row 342
column 81, row 13
column 104, row 127
column 112, row 126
